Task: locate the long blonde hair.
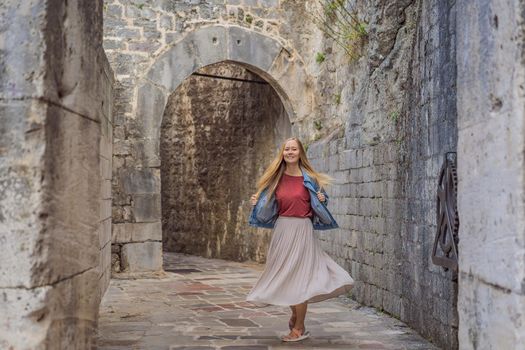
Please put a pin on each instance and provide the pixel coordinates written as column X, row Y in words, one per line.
column 274, row 172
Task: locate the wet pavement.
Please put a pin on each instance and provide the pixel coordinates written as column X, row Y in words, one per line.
column 199, row 304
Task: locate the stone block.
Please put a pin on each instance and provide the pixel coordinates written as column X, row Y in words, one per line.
column 151, row 102
column 146, row 153
column 72, row 177
column 166, row 22
column 333, row 163
column 137, row 181
column 146, row 207
column 137, row 232
column 121, row 233
column 141, row 257
column 121, row 148
column 105, row 260
column 244, row 46
column 105, row 209
column 203, row 47
column 347, row 160
column 59, row 306
column 21, row 188
column 105, row 168
column 106, row 189
column 269, row 3
column 105, row 232
column 22, row 39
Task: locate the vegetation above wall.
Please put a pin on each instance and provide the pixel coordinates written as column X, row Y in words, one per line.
column 339, row 21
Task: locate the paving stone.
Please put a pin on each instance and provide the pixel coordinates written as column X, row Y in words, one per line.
column 242, row 347
column 238, row 322
column 181, row 312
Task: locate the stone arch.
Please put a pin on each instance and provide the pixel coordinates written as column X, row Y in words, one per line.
column 263, row 55
column 267, row 57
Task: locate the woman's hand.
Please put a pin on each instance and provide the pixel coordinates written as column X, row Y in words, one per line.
column 321, row 196
column 253, row 199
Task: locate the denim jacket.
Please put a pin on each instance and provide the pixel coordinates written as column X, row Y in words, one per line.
column 266, row 210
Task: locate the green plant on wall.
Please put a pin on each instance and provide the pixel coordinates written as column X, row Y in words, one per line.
column 337, row 98
column 320, row 57
column 341, row 24
column 249, row 18
column 394, row 116
column 318, row 125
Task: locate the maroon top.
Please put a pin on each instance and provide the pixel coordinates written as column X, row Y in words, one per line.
column 293, row 198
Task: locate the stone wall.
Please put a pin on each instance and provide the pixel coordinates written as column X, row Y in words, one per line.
column 55, row 101
column 491, row 171
column 378, row 123
column 386, row 161
column 216, row 137
column 154, row 47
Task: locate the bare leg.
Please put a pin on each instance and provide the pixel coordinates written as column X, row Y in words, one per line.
column 300, row 312
column 291, row 323
column 301, row 315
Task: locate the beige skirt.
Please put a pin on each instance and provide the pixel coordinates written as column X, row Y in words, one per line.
column 297, row 269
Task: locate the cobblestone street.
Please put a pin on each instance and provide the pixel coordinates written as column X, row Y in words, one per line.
column 199, row 304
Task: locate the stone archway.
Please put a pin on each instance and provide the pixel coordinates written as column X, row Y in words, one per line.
column 140, row 241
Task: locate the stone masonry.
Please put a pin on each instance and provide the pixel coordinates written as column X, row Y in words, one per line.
column 55, row 169
column 491, row 143
column 365, row 127
column 389, row 172
column 154, row 47
column 420, row 84
column 216, row 137
column 386, row 164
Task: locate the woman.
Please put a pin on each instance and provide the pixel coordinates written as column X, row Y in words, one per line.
column 290, row 200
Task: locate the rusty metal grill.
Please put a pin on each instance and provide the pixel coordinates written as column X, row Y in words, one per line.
column 445, row 250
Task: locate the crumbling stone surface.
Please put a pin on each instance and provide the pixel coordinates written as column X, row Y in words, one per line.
column 386, row 160
column 491, row 140
column 216, row 137
column 365, row 115
column 55, row 158
column 380, row 125
column 147, row 80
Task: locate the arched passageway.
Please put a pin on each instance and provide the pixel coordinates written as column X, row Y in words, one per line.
column 137, row 229
column 219, row 129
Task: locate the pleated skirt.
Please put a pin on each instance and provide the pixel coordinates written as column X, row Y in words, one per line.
column 297, row 270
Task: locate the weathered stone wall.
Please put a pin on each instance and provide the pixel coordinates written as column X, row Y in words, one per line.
column 382, row 125
column 55, row 101
column 216, row 138
column 491, row 171
column 386, row 162
column 154, row 46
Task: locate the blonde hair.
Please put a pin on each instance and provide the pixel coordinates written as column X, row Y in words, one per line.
column 272, row 175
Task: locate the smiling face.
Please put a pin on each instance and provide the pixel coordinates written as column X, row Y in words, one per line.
column 292, row 152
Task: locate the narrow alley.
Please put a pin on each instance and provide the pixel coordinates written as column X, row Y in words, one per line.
column 198, row 304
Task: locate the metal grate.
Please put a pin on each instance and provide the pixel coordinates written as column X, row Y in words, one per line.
column 445, row 250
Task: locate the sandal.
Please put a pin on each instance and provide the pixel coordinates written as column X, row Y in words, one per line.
column 296, row 335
